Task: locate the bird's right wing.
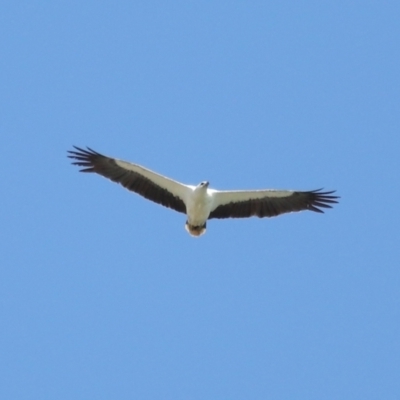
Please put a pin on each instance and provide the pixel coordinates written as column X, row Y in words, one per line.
column 152, row 186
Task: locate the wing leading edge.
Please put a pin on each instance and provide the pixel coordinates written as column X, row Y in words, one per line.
column 269, row 203
column 133, row 177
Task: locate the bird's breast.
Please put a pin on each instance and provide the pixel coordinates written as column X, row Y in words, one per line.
column 198, row 208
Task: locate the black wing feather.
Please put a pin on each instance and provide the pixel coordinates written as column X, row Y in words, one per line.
column 92, row 161
column 312, row 200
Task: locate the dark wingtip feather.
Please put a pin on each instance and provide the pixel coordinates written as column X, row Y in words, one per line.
column 84, row 158
column 322, row 199
column 81, row 152
column 312, row 208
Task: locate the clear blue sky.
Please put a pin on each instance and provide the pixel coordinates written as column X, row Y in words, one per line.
column 104, row 295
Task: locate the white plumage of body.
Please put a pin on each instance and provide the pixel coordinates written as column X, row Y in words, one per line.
column 200, row 203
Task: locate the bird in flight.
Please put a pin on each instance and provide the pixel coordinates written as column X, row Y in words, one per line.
column 200, row 203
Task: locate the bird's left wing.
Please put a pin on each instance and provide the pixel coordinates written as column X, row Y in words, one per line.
column 152, row 186
column 268, row 203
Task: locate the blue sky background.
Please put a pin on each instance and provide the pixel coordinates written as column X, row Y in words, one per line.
column 103, row 295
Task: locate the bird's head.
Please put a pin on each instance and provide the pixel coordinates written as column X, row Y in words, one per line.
column 203, row 185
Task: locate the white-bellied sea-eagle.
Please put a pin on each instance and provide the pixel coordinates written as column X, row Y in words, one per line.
column 200, row 203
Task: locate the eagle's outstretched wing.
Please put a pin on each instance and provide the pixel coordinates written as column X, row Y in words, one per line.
column 152, row 186
column 268, row 203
